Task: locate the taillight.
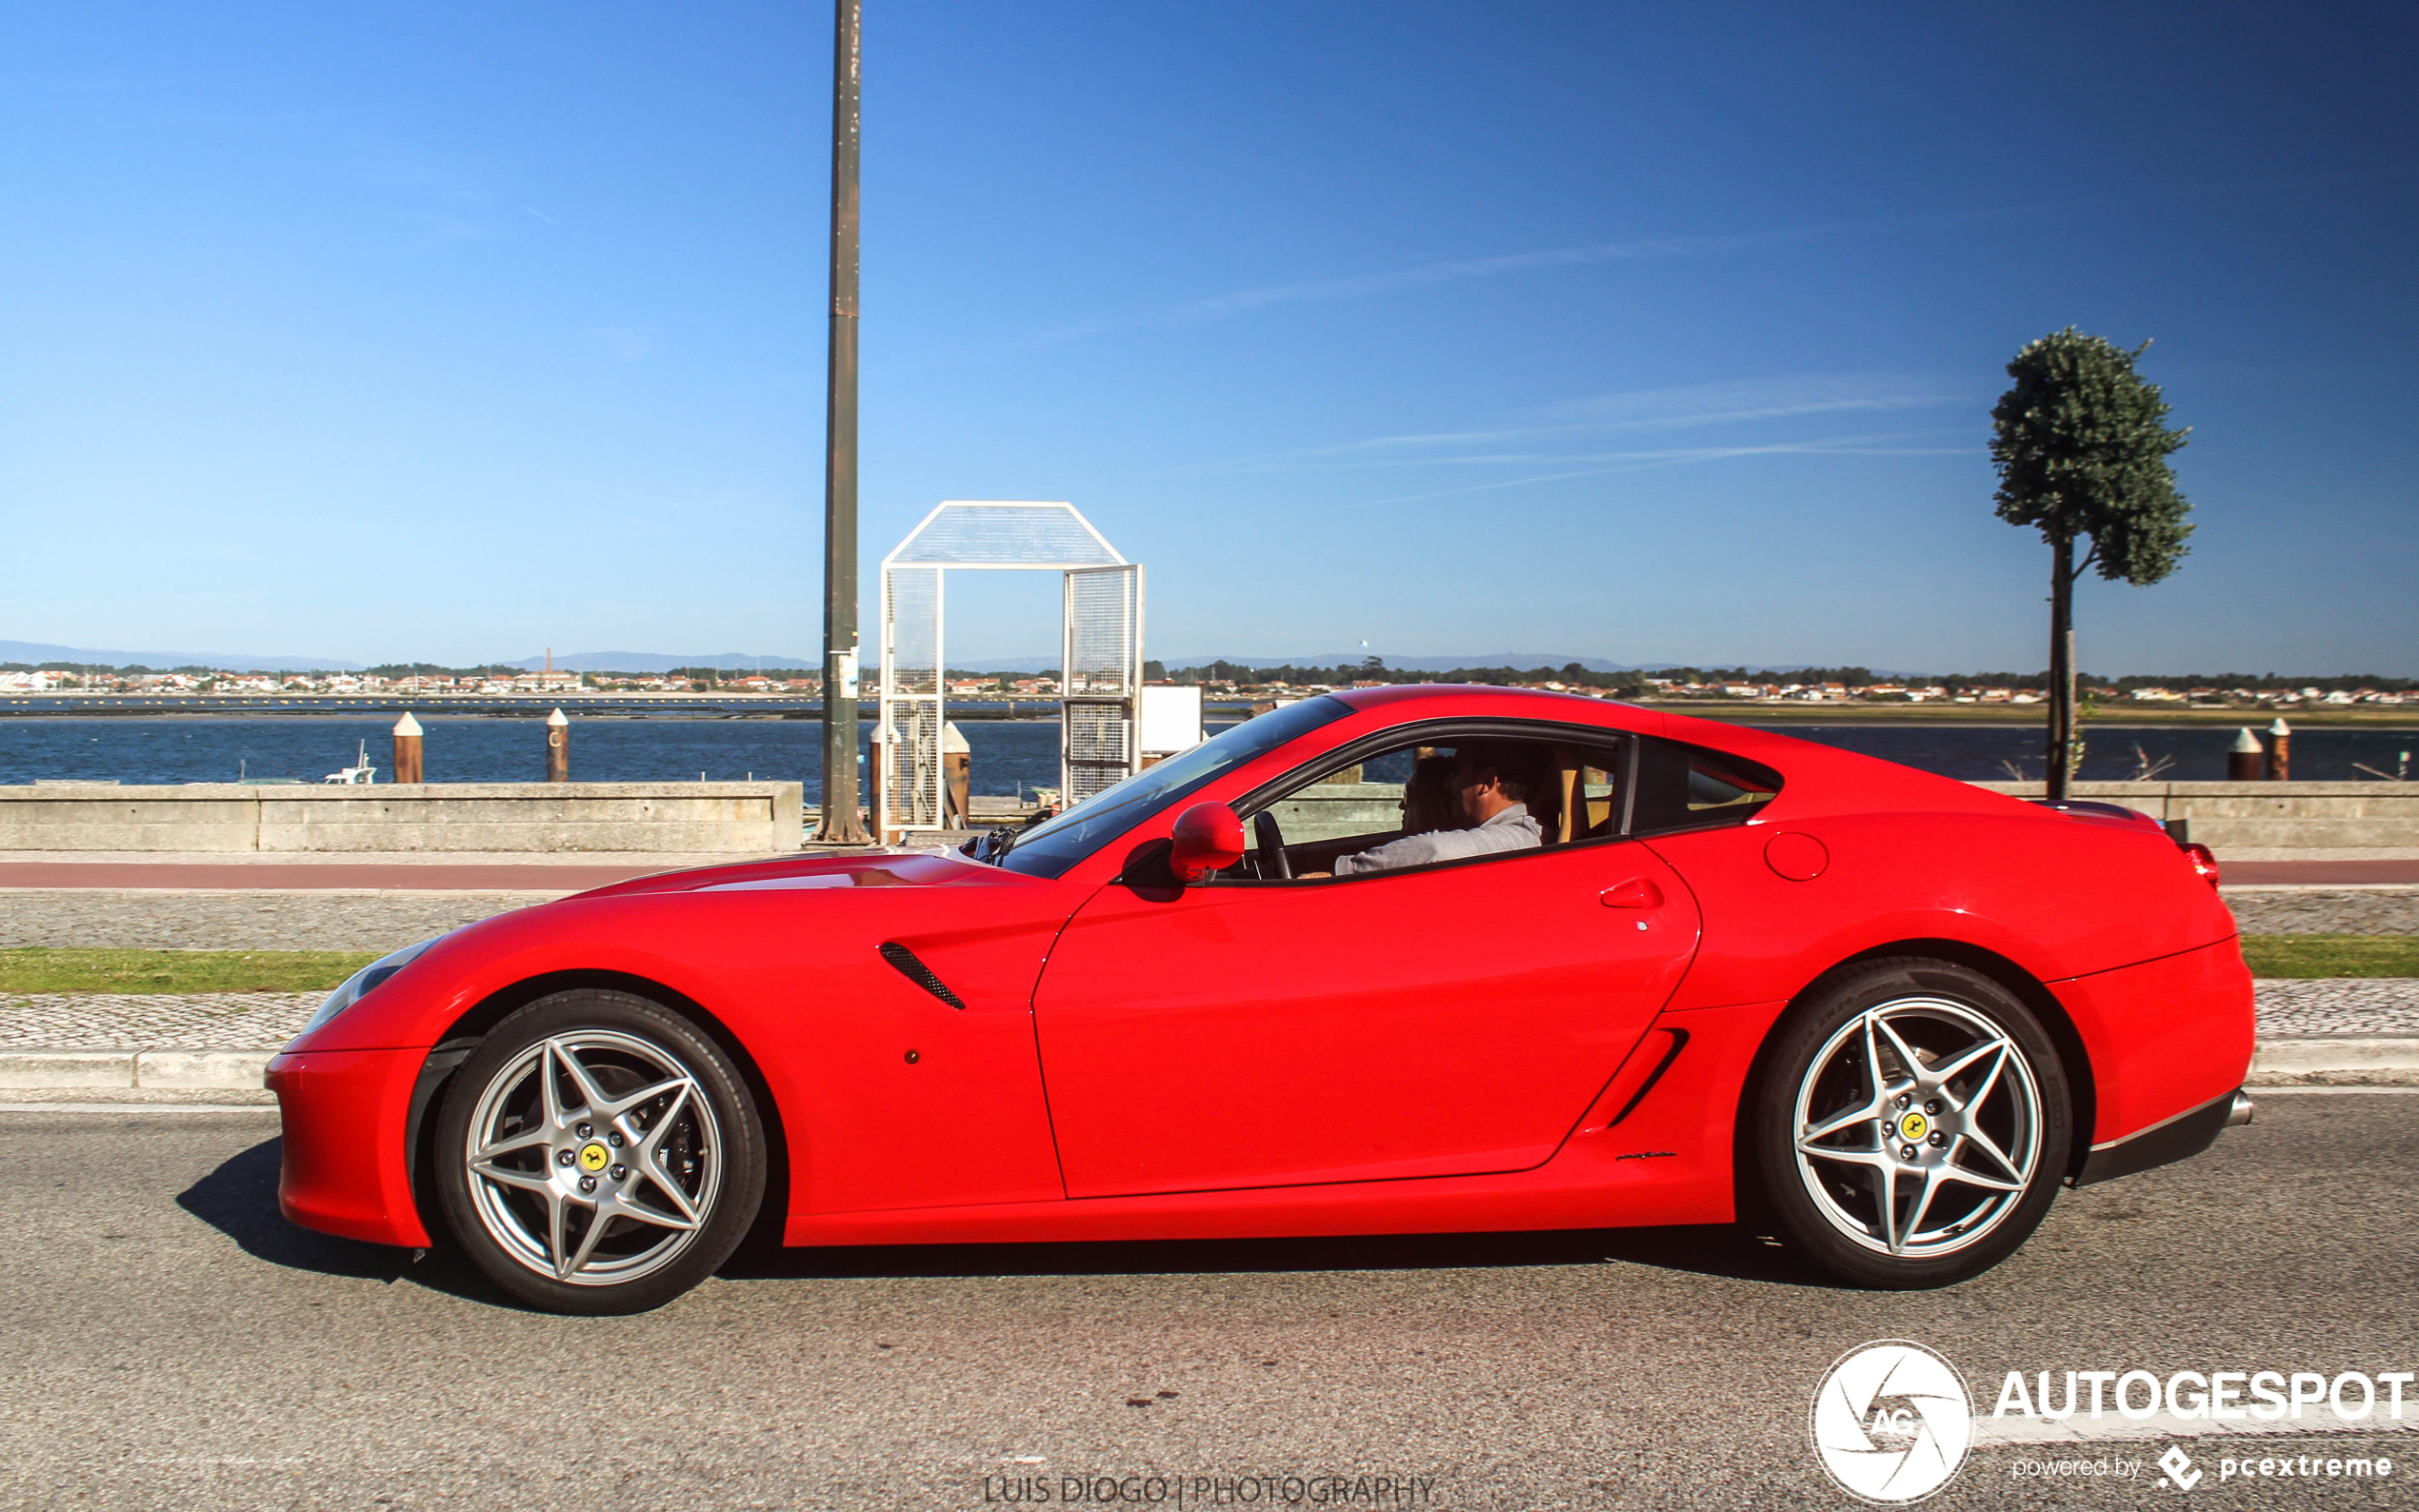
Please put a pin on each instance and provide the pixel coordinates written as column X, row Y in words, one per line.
column 2204, row 861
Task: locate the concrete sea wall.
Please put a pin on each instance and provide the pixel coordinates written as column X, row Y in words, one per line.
column 704, row 818
column 680, row 818
column 2243, row 816
column 2223, row 816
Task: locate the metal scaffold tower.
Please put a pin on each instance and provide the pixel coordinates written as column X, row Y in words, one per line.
column 1100, row 670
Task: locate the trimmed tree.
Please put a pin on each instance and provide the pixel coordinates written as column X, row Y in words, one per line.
column 2081, row 445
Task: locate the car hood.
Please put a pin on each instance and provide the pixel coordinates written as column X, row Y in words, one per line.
column 885, row 869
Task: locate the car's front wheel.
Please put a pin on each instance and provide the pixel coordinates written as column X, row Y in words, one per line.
column 1909, row 1126
column 597, row 1154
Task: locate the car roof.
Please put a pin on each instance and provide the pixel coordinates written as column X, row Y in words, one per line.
column 1519, row 703
column 1818, row 775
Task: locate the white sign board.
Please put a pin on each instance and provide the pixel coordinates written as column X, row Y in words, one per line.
column 1167, row 720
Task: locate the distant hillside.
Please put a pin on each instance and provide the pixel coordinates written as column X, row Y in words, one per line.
column 223, row 661
column 658, row 662
column 1414, row 663
column 1407, row 663
column 742, row 661
column 37, row 653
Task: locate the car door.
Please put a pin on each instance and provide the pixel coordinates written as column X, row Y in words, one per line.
column 1447, row 1020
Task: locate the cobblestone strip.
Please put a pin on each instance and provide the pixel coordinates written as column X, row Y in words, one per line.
column 2355, row 1005
column 208, row 919
column 170, row 919
column 2358, row 912
column 2366, row 1005
column 96, row 1020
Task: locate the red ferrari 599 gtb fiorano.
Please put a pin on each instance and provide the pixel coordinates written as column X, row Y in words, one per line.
column 1289, row 982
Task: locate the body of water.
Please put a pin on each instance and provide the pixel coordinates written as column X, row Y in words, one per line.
column 2192, row 753
column 1009, row 755
column 224, row 749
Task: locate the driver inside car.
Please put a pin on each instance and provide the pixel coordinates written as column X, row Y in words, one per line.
column 1490, row 785
column 1429, row 802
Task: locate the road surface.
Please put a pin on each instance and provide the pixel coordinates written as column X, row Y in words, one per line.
column 172, row 1343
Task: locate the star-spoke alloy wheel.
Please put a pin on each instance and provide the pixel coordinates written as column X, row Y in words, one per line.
column 597, row 1154
column 592, row 1156
column 1912, row 1123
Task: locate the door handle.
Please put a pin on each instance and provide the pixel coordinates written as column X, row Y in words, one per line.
column 1638, row 892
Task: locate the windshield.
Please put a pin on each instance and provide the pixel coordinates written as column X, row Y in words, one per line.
column 1049, row 850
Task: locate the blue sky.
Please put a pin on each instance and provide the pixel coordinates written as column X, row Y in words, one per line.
column 1656, row 333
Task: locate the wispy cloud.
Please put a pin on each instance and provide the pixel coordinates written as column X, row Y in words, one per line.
column 1680, row 409
column 1687, row 407
column 1556, row 436
column 629, row 343
column 1395, row 281
column 1422, row 275
column 1684, row 456
column 1371, row 283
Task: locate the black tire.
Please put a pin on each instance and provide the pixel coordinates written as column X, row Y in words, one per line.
column 690, row 1158
column 1987, row 1155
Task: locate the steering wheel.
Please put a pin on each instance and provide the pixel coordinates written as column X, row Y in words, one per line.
column 1273, row 866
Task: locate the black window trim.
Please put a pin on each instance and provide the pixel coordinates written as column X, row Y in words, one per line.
column 1447, row 730
column 1177, row 796
column 1713, row 820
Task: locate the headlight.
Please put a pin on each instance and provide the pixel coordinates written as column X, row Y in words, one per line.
column 365, row 979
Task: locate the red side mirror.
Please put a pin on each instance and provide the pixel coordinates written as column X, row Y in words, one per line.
column 1209, row 837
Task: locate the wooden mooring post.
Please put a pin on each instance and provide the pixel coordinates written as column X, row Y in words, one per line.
column 407, row 762
column 558, row 748
column 2245, row 760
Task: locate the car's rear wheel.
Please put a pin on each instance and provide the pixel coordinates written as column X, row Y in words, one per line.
column 597, row 1154
column 1909, row 1125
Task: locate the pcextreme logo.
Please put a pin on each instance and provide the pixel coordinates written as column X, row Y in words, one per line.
column 1891, row 1421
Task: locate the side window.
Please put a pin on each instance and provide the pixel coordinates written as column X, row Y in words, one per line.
column 1690, row 788
column 1332, row 820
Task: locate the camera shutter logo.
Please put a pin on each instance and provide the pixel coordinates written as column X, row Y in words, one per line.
column 1891, row 1421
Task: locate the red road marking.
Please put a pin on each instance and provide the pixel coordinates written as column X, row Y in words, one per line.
column 2316, row 873
column 531, row 877
column 550, row 877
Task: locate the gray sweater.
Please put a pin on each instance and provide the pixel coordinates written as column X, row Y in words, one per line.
column 1511, row 829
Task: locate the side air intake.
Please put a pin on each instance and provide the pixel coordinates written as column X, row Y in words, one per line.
column 917, row 972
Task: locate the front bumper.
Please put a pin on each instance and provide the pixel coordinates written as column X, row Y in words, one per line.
column 342, row 1114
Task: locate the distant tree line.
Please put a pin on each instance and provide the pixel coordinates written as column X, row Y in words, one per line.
column 397, row 669
column 1629, row 680
column 1636, row 680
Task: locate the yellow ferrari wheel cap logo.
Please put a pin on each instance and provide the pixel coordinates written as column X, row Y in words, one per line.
column 593, row 1158
column 1912, row 1126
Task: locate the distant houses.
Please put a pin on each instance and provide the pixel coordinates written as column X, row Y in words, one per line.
column 1715, row 688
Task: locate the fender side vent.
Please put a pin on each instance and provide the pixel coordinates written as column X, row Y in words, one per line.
column 917, row 972
column 1679, row 1043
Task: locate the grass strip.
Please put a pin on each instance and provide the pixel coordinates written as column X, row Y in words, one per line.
column 38, row 970
column 43, row 969
column 2331, row 955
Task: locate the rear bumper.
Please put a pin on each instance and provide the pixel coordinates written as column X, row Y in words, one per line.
column 2180, row 1138
column 2166, row 1038
column 342, row 1171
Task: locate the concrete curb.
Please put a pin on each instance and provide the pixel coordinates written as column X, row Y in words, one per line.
column 2338, row 1061
column 69, row 1076
column 178, row 1070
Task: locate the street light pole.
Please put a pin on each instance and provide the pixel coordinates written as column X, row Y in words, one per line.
column 840, row 825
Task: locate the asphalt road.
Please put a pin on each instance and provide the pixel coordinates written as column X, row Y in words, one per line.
column 171, row 1343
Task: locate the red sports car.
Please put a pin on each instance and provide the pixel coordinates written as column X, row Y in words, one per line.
column 1393, row 960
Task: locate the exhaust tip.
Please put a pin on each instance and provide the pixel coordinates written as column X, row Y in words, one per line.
column 2239, row 1113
